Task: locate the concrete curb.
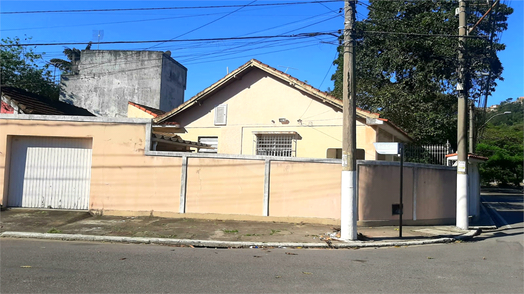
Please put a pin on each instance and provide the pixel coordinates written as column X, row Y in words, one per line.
column 469, row 235
column 232, row 244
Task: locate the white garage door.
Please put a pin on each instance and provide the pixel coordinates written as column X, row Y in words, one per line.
column 50, row 172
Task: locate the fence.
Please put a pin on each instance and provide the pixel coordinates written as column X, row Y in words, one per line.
column 429, row 154
column 127, row 178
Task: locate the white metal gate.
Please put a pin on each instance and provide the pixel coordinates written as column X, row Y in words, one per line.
column 50, row 172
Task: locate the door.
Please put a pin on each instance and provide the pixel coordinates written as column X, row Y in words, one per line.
column 50, row 172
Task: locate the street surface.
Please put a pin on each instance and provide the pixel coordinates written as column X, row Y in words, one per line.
column 492, row 263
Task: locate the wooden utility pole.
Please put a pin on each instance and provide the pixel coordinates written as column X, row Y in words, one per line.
column 348, row 203
column 462, row 151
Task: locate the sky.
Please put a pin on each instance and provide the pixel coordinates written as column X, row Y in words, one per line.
column 307, row 58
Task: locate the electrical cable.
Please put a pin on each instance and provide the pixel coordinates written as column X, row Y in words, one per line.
column 110, row 23
column 166, row 8
column 206, row 24
column 313, row 34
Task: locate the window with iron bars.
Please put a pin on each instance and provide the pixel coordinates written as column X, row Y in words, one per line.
column 276, row 145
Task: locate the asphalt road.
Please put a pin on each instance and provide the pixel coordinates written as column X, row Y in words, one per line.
column 493, row 263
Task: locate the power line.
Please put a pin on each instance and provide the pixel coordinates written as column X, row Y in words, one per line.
column 212, row 56
column 114, row 22
column 251, row 55
column 206, row 24
column 258, row 42
column 301, row 35
column 166, row 8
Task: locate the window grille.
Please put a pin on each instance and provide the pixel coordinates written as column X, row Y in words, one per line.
column 276, row 145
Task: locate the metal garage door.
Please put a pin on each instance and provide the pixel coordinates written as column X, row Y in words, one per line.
column 50, row 172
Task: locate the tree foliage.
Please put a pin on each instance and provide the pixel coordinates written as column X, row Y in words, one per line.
column 411, row 79
column 73, row 57
column 20, row 68
column 502, row 143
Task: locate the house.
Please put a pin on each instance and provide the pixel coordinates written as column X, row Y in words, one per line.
column 259, row 110
column 164, row 135
column 103, row 81
column 18, row 101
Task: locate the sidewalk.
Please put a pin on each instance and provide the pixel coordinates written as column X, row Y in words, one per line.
column 73, row 225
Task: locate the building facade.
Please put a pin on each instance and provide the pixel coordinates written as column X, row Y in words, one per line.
column 105, row 80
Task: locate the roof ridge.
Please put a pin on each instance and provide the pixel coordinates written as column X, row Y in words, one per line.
column 325, row 97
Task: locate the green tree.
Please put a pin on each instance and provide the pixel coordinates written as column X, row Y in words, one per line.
column 410, row 79
column 73, row 57
column 502, row 142
column 20, row 68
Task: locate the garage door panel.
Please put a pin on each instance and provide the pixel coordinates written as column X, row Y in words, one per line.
column 50, row 172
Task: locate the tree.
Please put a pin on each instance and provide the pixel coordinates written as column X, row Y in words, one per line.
column 73, row 56
column 20, row 68
column 409, row 77
column 501, row 142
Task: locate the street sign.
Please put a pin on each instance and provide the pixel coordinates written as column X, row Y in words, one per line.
column 394, row 148
column 388, row 147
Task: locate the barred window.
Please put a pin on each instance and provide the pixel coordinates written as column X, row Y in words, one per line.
column 275, row 144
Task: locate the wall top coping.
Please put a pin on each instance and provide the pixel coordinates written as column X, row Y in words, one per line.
column 120, row 120
column 293, row 159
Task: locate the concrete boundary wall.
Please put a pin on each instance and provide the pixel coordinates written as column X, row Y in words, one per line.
column 130, row 179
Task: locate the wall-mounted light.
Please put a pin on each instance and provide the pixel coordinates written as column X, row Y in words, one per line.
column 283, row 120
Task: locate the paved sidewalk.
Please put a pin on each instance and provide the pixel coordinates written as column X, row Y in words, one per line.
column 73, row 225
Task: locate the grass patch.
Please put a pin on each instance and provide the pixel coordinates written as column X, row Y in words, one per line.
column 54, row 231
column 230, row 231
column 252, row 235
column 274, row 232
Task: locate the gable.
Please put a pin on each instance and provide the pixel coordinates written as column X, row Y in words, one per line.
column 231, row 80
column 259, row 98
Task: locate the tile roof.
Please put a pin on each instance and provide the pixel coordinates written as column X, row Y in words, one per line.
column 153, row 111
column 175, row 139
column 31, row 103
column 294, row 82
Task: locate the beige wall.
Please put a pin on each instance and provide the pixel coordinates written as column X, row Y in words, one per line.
column 255, row 103
column 227, row 186
column 122, row 177
column 134, row 112
column 304, row 189
column 125, row 179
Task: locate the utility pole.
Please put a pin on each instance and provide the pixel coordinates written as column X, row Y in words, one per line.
column 462, row 152
column 348, row 201
column 472, row 136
